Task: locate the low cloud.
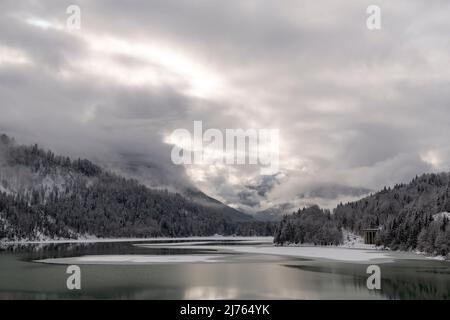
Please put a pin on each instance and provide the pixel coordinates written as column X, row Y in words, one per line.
column 357, row 109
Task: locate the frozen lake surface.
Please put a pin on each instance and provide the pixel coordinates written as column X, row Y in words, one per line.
column 214, row 268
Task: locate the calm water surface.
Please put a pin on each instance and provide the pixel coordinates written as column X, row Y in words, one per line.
column 236, row 276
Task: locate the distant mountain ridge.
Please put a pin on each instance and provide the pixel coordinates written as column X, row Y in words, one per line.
column 201, row 198
column 46, row 196
column 315, row 192
column 275, row 213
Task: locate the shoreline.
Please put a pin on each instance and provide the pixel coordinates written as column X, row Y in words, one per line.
column 186, row 241
column 113, row 240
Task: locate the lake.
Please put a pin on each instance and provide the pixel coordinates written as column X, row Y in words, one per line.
column 214, row 268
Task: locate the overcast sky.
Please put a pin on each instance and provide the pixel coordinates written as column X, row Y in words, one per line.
column 357, row 109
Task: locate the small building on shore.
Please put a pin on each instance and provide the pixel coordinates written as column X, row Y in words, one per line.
column 369, row 235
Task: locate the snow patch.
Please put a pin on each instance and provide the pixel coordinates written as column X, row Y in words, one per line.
column 441, row 215
column 353, row 240
column 327, row 253
column 132, row 259
column 439, row 258
column 4, row 190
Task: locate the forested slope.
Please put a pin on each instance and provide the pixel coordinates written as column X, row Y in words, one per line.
column 411, row 216
column 47, row 196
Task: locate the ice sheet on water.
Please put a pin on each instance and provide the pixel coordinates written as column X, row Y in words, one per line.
column 132, row 259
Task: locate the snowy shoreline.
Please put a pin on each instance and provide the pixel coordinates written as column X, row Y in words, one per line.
column 105, row 240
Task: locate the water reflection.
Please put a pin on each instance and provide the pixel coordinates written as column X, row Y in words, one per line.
column 403, row 279
column 239, row 276
column 211, row 293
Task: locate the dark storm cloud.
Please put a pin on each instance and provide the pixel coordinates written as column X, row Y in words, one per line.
column 357, row 109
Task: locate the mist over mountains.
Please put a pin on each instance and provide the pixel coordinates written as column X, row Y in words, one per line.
column 46, row 196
